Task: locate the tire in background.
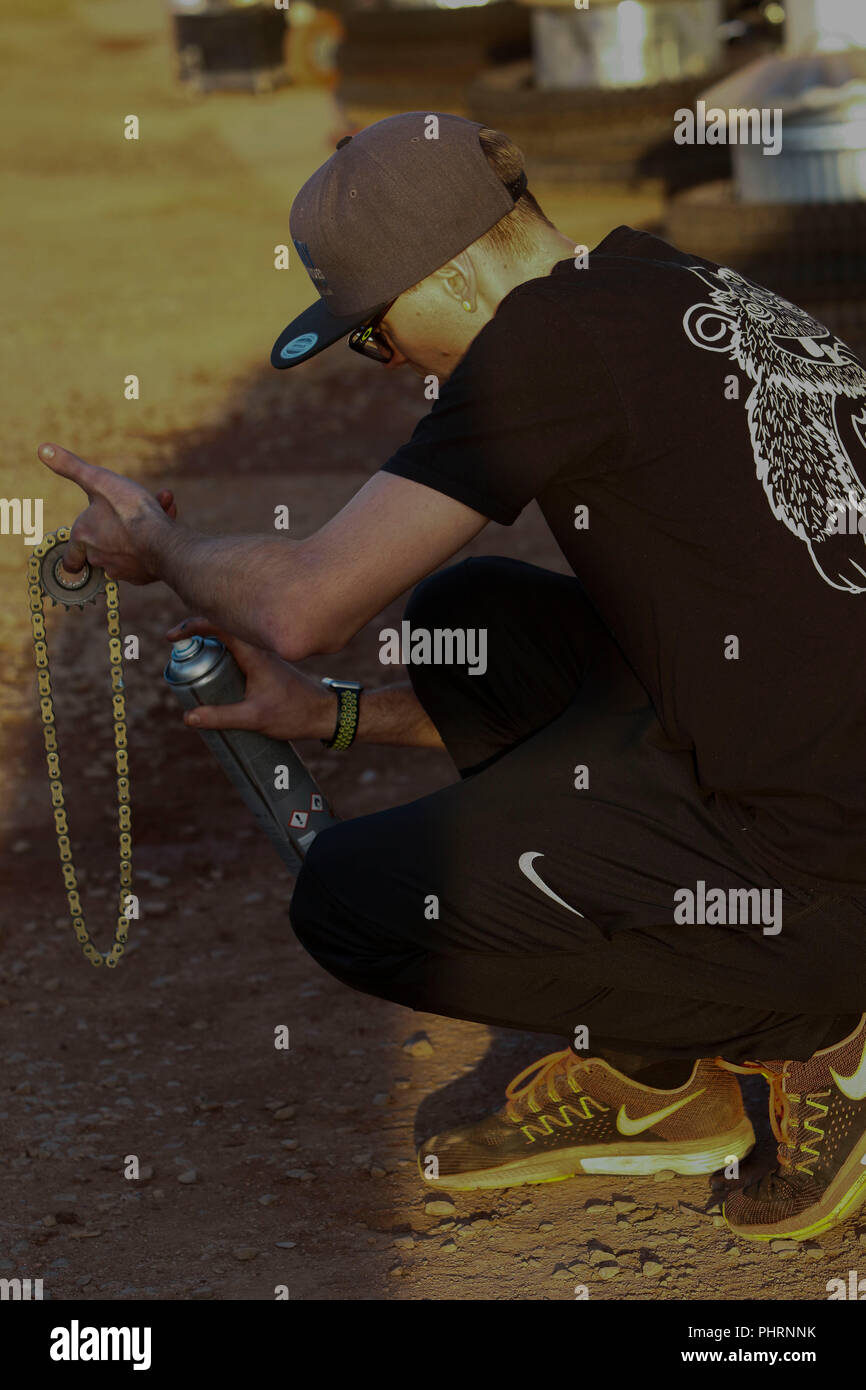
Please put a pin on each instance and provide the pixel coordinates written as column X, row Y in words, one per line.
column 597, row 135
column 423, row 60
column 793, row 248
column 813, row 254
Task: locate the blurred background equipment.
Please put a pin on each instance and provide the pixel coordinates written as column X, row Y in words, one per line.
column 822, row 98
column 314, row 38
column 587, row 94
column 624, row 43
column 795, row 220
column 423, row 58
column 824, row 24
column 229, row 45
column 595, row 103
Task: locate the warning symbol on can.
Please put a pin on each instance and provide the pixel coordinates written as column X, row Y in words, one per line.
column 298, row 820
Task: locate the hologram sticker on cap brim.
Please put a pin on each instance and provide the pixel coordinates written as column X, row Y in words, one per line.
column 296, row 347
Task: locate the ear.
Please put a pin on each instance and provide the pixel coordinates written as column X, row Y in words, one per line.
column 457, row 278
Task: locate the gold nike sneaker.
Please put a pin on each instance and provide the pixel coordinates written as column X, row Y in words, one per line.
column 818, row 1111
column 567, row 1114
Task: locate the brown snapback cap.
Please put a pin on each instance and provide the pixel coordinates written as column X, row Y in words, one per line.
column 391, row 205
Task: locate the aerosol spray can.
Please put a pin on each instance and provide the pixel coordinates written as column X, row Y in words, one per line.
column 202, row 672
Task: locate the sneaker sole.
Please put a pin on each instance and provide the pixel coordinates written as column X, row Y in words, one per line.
column 845, row 1194
column 695, row 1157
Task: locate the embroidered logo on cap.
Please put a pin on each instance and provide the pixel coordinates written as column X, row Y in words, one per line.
column 316, row 275
column 296, row 347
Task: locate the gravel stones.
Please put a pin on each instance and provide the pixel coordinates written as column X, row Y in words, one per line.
column 439, row 1207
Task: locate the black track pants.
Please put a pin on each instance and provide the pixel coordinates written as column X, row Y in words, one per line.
column 514, row 898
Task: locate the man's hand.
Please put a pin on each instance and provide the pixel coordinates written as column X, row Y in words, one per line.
column 291, row 597
column 104, row 534
column 279, row 700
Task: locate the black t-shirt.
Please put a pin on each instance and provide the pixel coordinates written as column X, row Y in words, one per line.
column 716, row 436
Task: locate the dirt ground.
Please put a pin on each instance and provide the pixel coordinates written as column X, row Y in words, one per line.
column 259, row 1168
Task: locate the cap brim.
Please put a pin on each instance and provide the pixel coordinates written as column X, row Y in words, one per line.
column 313, row 331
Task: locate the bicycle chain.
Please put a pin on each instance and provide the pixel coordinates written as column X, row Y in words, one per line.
column 37, row 591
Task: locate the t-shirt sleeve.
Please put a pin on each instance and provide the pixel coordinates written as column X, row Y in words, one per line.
column 531, row 399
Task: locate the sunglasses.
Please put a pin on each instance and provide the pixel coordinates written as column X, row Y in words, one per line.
column 369, row 341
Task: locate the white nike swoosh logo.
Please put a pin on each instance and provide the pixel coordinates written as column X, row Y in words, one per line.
column 524, row 864
column 627, row 1126
column 854, row 1087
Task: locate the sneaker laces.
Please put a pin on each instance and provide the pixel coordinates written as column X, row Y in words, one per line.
column 522, row 1093
column 782, row 1119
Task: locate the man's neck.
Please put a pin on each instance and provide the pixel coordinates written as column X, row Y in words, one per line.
column 549, row 248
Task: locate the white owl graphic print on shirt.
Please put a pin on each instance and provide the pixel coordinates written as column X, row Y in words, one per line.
column 806, row 415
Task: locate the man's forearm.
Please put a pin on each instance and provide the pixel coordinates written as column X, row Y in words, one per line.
column 394, row 715
column 225, row 579
column 232, row 580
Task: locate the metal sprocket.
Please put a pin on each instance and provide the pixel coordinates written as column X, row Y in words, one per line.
column 89, row 582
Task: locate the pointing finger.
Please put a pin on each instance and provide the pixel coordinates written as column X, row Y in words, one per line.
column 69, row 465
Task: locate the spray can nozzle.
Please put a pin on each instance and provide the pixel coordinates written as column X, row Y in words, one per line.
column 186, row 648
